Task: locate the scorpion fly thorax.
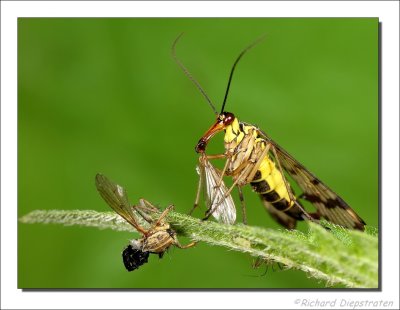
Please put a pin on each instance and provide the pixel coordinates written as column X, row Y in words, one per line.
column 233, row 134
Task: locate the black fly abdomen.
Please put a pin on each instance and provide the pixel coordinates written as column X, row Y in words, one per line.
column 134, row 258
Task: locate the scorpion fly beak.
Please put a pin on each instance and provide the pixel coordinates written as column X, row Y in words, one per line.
column 217, row 127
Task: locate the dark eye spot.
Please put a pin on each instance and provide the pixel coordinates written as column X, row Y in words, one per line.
column 229, row 118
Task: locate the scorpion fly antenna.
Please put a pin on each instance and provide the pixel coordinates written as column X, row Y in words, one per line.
column 187, row 73
column 234, row 66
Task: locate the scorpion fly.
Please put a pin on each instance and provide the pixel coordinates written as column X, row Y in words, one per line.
column 252, row 157
column 157, row 239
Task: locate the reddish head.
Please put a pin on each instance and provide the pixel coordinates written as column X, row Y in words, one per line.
column 223, row 120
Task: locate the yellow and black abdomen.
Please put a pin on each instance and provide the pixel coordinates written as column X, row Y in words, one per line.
column 268, row 182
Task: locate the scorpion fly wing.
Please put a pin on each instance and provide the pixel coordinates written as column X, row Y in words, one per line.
column 328, row 204
column 116, row 197
column 221, row 205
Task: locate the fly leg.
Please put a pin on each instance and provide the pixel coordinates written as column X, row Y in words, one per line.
column 145, row 207
column 223, row 170
column 211, row 210
column 149, row 207
column 219, row 182
column 246, row 177
column 163, row 215
column 191, row 244
column 201, row 172
column 200, row 186
column 257, row 164
column 238, row 180
column 244, row 216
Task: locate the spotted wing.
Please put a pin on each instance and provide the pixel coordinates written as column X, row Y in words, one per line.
column 221, row 205
column 117, row 198
column 281, row 217
column 329, row 205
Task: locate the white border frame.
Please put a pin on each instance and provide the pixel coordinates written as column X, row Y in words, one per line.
column 13, row 298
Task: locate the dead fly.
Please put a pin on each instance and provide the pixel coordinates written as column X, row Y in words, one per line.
column 251, row 157
column 216, row 192
column 157, row 239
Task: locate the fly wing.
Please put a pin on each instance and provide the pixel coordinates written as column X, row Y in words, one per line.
column 117, row 198
column 329, row 205
column 222, row 205
column 281, row 217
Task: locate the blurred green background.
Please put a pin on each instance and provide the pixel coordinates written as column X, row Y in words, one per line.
column 104, row 95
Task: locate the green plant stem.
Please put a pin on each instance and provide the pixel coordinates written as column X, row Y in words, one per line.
column 336, row 256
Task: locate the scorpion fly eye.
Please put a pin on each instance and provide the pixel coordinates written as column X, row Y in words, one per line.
column 228, row 119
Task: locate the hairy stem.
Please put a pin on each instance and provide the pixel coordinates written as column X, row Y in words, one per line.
column 336, row 256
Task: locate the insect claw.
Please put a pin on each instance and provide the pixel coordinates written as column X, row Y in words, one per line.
column 191, row 211
column 206, row 217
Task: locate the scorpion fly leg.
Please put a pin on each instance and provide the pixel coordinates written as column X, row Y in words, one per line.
column 243, row 204
column 200, row 186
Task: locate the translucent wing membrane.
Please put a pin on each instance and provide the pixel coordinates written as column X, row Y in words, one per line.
column 156, row 239
column 329, row 205
column 117, row 198
column 219, row 203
